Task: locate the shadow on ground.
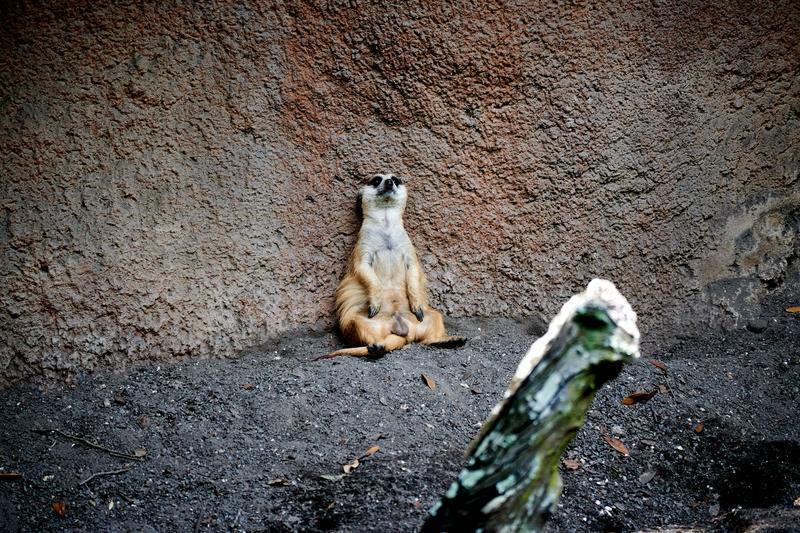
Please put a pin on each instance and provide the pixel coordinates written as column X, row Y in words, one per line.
column 258, row 443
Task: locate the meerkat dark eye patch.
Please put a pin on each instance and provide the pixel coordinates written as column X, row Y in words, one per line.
column 397, row 181
column 375, row 181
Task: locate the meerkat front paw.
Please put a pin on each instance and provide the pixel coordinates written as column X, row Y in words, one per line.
column 418, row 312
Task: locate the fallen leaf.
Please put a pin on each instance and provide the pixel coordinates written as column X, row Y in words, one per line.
column 10, row 476
column 639, row 397
column 617, row 445
column 279, row 481
column 60, row 508
column 793, row 309
column 475, row 391
column 140, row 452
column 372, row 450
column 663, row 389
column 646, row 477
column 699, row 428
column 658, row 364
column 429, row 382
column 248, row 386
column 647, row 442
column 572, row 464
column 352, row 465
column 332, row 477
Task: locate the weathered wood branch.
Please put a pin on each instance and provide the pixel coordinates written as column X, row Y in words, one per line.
column 511, row 482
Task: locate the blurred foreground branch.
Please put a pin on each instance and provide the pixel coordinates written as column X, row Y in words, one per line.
column 511, row 481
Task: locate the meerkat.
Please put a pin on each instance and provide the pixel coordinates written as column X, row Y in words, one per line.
column 382, row 302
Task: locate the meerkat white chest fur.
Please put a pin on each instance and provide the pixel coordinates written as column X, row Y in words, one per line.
column 385, row 245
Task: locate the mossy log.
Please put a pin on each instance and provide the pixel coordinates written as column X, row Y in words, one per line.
column 511, row 481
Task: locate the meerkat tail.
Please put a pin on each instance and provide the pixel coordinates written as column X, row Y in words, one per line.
column 361, row 351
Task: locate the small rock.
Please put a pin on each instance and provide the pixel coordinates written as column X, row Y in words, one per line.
column 537, row 326
column 757, row 325
column 106, row 403
column 713, row 510
column 646, row 477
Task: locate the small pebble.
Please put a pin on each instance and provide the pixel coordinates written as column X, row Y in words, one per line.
column 757, row 325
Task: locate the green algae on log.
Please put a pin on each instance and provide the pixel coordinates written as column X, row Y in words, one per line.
column 511, row 482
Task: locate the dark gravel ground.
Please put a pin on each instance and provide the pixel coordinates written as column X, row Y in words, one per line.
column 241, row 445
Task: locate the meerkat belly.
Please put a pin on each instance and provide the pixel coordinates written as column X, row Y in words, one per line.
column 389, row 264
column 390, row 267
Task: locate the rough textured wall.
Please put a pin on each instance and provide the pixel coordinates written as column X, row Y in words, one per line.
column 179, row 178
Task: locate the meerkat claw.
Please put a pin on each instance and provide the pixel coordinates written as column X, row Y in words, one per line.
column 373, row 310
column 418, row 312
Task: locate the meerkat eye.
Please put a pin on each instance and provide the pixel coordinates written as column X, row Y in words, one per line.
column 397, row 181
column 376, row 181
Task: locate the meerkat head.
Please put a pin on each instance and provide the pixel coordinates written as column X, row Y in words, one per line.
column 383, row 191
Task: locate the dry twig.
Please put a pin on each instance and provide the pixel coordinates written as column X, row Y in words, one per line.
column 88, row 443
column 108, row 473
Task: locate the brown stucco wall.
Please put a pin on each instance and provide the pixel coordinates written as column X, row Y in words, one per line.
column 179, row 179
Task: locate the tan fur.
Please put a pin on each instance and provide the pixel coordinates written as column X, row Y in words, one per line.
column 383, row 292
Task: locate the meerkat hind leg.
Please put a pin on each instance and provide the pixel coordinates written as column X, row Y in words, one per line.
column 451, row 341
column 435, row 334
column 389, row 344
column 373, row 350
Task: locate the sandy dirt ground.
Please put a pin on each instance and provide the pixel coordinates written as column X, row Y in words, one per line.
column 259, row 443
